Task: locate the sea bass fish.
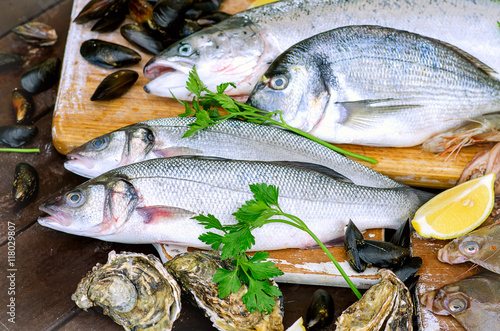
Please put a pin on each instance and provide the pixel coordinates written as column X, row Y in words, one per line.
column 231, row 139
column 481, row 246
column 153, row 201
column 241, row 48
column 377, row 86
column 473, row 301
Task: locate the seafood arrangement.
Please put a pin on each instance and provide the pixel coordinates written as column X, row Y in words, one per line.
column 148, row 181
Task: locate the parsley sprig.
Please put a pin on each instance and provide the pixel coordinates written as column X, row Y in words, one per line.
column 238, row 238
column 205, row 106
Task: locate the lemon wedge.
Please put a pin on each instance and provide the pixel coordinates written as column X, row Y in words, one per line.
column 456, row 211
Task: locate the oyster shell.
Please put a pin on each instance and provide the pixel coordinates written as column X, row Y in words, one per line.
column 195, row 270
column 133, row 289
column 386, row 305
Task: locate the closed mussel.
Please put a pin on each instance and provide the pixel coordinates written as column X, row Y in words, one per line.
column 17, row 135
column 10, row 60
column 113, row 18
column 94, row 9
column 25, row 185
column 115, row 85
column 42, row 76
column 36, row 33
column 108, row 55
column 167, row 12
column 320, row 311
column 146, row 39
column 351, row 238
column 382, row 254
column 23, row 106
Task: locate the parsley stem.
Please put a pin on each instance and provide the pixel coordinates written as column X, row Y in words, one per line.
column 20, row 150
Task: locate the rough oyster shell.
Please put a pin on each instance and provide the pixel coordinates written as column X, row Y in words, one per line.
column 195, row 271
column 387, row 305
column 133, row 289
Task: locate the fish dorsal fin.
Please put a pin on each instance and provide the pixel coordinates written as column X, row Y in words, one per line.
column 365, row 114
column 315, row 167
column 473, row 60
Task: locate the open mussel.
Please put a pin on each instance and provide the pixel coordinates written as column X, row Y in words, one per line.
column 23, row 106
column 108, row 55
column 195, row 271
column 146, row 39
column 42, row 76
column 386, row 305
column 320, row 311
column 135, row 290
column 115, row 85
column 36, row 33
column 25, row 185
column 9, row 60
column 94, row 9
column 113, row 18
column 141, row 12
column 17, row 135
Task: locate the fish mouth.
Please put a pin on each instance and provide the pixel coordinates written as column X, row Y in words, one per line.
column 79, row 164
column 444, row 256
column 55, row 220
column 167, row 78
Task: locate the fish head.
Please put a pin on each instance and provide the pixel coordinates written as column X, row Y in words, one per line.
column 446, row 301
column 230, row 51
column 292, row 85
column 109, row 151
column 92, row 209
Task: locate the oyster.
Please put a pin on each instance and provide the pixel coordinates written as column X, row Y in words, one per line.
column 195, row 270
column 387, row 305
column 135, row 290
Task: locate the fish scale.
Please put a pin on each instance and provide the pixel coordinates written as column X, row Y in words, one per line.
column 171, row 191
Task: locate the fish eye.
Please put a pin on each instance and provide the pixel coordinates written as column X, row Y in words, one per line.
column 471, row 247
column 278, row 82
column 185, row 50
column 457, row 305
column 75, row 198
column 99, row 143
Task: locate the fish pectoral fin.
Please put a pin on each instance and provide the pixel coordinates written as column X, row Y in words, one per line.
column 364, row 114
column 315, row 167
column 176, row 151
column 154, row 214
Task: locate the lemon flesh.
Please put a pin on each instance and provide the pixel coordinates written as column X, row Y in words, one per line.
column 456, row 211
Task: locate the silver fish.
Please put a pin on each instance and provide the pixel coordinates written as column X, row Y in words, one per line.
column 232, row 139
column 376, row 86
column 481, row 246
column 242, row 47
column 154, row 201
column 473, row 301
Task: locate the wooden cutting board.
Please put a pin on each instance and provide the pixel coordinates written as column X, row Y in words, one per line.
column 77, row 119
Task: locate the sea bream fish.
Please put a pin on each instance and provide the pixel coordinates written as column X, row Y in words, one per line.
column 481, row 247
column 241, row 48
column 232, row 139
column 473, row 301
column 153, row 201
column 376, row 86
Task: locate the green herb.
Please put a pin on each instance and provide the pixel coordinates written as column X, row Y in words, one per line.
column 204, row 108
column 237, row 239
column 20, row 150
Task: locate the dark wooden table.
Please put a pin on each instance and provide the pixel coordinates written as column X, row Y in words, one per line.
column 47, row 265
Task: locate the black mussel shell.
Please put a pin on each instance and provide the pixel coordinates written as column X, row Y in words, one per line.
column 382, row 254
column 113, row 18
column 143, row 38
column 23, row 106
column 25, row 185
column 9, row 60
column 198, row 10
column 94, row 9
column 321, row 310
column 351, row 238
column 115, row 85
column 188, row 27
column 42, row 76
column 141, row 12
column 408, row 268
column 402, row 235
column 17, row 135
column 36, row 33
column 108, row 55
column 167, row 12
